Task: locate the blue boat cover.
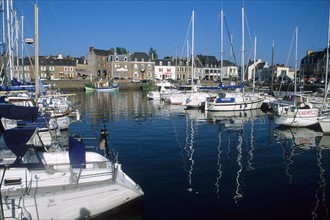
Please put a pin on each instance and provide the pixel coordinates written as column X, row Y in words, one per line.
column 16, row 140
column 19, row 112
column 77, row 152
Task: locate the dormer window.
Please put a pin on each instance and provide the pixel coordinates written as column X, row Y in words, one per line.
column 160, row 63
column 125, row 59
column 116, row 58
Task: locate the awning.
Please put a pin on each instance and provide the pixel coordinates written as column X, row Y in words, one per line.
column 122, row 70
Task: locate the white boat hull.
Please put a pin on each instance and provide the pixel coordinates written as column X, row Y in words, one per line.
column 302, row 118
column 196, row 100
column 110, row 89
column 325, row 125
column 178, row 98
column 60, row 192
column 236, row 106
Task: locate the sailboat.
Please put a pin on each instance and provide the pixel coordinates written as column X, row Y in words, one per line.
column 235, row 100
column 193, row 97
column 325, row 122
column 298, row 112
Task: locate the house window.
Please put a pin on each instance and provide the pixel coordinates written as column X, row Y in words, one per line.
column 135, row 66
column 51, row 68
column 160, row 63
column 149, row 67
column 43, row 68
column 149, row 74
column 142, row 60
column 117, row 58
column 71, row 69
column 160, row 70
column 125, row 59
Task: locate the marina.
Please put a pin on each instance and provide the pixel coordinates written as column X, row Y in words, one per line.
column 126, row 135
column 193, row 165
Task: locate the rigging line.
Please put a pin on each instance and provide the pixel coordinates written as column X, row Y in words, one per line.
column 293, row 38
column 231, row 43
column 186, row 38
column 58, row 21
column 251, row 41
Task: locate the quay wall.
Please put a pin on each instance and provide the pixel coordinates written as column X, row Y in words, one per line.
column 80, row 84
column 76, row 85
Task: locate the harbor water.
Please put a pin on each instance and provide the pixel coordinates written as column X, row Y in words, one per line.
column 196, row 165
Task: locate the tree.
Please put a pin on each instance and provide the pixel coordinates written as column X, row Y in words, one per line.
column 121, row 50
column 152, row 53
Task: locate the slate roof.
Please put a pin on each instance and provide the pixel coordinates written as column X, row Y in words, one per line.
column 139, row 56
column 49, row 62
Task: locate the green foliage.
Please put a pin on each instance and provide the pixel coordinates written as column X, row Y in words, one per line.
column 153, row 53
column 121, row 50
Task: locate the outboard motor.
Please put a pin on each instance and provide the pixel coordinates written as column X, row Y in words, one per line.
column 104, row 142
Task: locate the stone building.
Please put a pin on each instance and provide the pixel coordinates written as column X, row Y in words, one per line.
column 165, row 68
column 120, row 67
column 49, row 68
column 313, row 65
column 98, row 63
column 142, row 66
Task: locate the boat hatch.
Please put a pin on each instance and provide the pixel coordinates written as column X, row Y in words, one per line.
column 13, row 181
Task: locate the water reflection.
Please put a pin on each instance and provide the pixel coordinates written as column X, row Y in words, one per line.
column 235, row 137
column 295, row 140
column 225, row 159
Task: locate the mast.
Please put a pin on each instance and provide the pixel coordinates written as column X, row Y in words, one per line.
column 192, row 47
column 272, row 74
column 36, row 51
column 22, row 44
column 221, row 62
column 295, row 65
column 242, row 68
column 16, row 44
column 10, row 41
column 326, row 83
column 4, row 43
column 254, row 61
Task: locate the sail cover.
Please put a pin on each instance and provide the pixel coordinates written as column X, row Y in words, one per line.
column 18, row 112
column 76, row 153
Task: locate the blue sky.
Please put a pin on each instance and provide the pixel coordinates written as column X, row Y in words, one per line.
column 70, row 27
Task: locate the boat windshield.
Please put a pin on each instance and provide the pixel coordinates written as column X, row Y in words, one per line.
column 221, row 95
column 7, row 157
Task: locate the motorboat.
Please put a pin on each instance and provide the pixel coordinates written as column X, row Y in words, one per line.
column 102, row 85
column 59, row 183
column 162, row 89
column 233, row 101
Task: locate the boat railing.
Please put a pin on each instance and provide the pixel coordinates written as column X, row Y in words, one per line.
column 106, row 170
column 2, row 215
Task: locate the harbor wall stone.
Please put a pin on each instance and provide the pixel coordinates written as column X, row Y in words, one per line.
column 80, row 84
